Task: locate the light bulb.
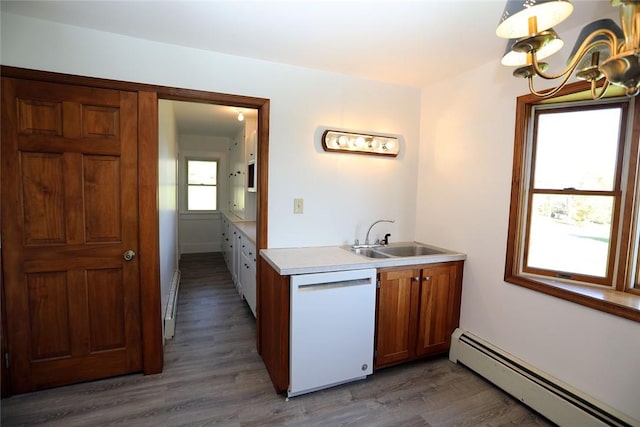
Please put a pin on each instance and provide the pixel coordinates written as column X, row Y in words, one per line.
column 240, row 117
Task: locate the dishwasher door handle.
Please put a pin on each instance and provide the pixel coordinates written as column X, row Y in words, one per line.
column 335, row 284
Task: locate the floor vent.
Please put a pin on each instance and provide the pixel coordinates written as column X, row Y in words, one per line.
column 172, row 307
column 550, row 397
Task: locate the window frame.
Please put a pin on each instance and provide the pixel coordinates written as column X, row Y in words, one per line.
column 621, row 296
column 615, row 192
column 187, row 159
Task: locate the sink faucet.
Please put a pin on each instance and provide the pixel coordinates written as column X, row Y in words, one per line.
column 366, row 239
column 385, row 241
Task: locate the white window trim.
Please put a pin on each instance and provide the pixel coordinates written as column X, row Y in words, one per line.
column 183, row 186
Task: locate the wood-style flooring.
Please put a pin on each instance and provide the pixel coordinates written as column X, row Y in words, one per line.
column 213, row 376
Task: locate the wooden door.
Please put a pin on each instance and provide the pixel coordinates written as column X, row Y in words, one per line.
column 69, row 212
column 437, row 297
column 396, row 316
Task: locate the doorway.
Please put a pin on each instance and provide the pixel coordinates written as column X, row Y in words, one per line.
column 216, row 150
column 206, row 154
column 146, row 196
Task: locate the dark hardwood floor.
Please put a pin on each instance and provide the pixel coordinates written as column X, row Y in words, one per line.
column 214, row 377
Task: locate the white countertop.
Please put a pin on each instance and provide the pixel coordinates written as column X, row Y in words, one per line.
column 290, row 261
column 248, row 228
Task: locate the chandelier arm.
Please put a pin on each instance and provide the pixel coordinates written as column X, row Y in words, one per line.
column 594, row 93
column 549, row 92
column 588, row 44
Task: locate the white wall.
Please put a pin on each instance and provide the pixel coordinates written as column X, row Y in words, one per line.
column 167, row 199
column 200, row 232
column 342, row 193
column 466, row 158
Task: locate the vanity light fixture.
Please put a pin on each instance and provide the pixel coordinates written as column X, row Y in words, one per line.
column 360, row 143
column 603, row 51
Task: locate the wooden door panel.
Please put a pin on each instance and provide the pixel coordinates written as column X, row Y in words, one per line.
column 101, row 193
column 48, row 300
column 39, row 117
column 43, row 198
column 100, row 122
column 436, row 300
column 69, row 174
column 105, row 300
column 395, row 318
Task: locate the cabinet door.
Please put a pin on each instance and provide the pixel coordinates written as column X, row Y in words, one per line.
column 396, row 316
column 248, row 274
column 436, row 308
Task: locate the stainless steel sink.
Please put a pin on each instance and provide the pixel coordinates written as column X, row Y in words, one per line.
column 409, row 250
column 413, row 250
column 368, row 252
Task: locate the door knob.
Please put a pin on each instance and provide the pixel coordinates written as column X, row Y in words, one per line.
column 128, row 255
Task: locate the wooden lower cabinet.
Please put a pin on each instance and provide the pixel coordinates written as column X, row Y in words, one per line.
column 418, row 308
column 273, row 324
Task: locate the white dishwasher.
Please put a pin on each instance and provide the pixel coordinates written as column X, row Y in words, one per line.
column 331, row 329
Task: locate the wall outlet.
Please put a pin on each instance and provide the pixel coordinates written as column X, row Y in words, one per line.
column 298, row 206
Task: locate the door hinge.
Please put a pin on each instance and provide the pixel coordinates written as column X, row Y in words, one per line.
column 378, row 284
column 375, row 354
column 6, row 360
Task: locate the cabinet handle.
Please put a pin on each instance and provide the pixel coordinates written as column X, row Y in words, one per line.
column 427, row 278
column 416, row 279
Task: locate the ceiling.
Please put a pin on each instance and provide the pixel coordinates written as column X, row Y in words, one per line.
column 209, row 119
column 412, row 43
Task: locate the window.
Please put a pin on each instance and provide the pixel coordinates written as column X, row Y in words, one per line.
column 573, row 223
column 202, row 185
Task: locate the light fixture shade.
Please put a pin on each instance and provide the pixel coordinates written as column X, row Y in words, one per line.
column 517, row 59
column 601, row 24
column 514, row 22
column 360, row 143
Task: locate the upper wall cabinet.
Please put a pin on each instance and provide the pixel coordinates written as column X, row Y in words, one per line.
column 243, row 151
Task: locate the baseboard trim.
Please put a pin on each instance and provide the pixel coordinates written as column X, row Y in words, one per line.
column 557, row 401
column 172, row 307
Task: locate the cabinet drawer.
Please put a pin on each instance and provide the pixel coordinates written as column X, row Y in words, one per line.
column 248, row 250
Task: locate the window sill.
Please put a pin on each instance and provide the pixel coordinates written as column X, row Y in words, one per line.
column 622, row 304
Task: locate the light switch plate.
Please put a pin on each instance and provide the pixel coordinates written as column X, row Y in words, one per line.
column 298, row 206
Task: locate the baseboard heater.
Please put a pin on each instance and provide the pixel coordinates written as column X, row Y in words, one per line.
column 172, row 307
column 548, row 396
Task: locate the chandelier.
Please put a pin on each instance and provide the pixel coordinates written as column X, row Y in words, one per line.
column 604, row 53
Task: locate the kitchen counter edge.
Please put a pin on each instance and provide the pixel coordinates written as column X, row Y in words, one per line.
column 323, row 259
column 248, row 228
